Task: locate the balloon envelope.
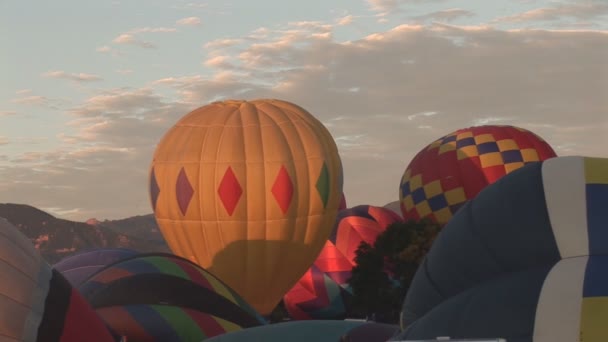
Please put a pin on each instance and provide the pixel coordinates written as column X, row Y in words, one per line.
column 525, row 260
column 323, row 292
column 248, row 190
column 76, row 268
column 454, row 168
column 163, row 297
column 296, row 331
column 36, row 302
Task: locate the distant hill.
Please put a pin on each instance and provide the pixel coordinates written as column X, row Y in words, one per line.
column 56, row 238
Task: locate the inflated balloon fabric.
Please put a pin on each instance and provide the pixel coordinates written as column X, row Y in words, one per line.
column 38, row 304
column 163, row 297
column 525, row 260
column 78, row 267
column 454, row 168
column 249, row 190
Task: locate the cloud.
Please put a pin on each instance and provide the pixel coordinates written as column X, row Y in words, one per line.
column 189, row 21
column 124, row 71
column 4, row 140
column 5, row 113
column 383, row 97
column 579, row 10
column 346, row 20
column 127, row 38
column 152, row 30
column 387, row 6
column 79, row 77
column 445, row 15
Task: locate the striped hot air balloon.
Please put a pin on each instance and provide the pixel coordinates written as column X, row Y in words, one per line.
column 455, row 167
column 248, row 190
column 37, row 304
column 163, row 297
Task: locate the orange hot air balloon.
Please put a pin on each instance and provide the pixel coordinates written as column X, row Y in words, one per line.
column 249, row 190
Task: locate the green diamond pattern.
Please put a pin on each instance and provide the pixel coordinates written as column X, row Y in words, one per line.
column 323, row 184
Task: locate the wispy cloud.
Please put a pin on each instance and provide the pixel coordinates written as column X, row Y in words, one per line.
column 130, row 39
column 4, row 140
column 443, row 77
column 445, row 15
column 78, row 77
column 579, row 10
column 189, row 21
column 5, row 113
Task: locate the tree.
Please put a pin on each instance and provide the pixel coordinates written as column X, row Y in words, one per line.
column 383, row 271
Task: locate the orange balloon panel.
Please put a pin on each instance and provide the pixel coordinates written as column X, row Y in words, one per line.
column 249, row 190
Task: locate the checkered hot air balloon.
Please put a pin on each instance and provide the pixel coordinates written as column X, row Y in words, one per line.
column 323, row 292
column 37, row 304
column 248, row 190
column 454, row 168
column 526, row 260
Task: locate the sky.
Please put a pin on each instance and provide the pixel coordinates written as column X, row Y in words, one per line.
column 88, row 88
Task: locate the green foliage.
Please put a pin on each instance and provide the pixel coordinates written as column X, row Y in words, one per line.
column 384, row 270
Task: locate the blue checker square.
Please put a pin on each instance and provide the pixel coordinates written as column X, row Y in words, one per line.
column 448, row 139
column 597, row 216
column 465, row 142
column 487, row 147
column 512, row 156
column 437, row 202
column 596, row 277
column 418, row 195
column 405, row 189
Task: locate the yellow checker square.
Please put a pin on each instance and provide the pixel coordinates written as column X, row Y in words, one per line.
column 491, row 159
column 443, row 215
column 596, row 170
column 450, row 146
column 507, row 145
column 593, row 319
column 513, row 166
column 529, row 155
column 408, row 202
column 455, row 196
column 432, row 189
column 467, row 152
column 484, row 138
column 464, row 135
column 415, row 182
column 434, row 144
column 423, row 208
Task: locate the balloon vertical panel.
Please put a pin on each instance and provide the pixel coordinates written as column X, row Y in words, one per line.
column 251, row 190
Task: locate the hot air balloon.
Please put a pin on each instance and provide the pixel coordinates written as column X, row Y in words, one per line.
column 323, row 292
column 526, row 260
column 36, row 302
column 319, row 293
column 342, row 204
column 249, row 190
column 296, row 331
column 76, row 268
column 163, row 297
column 455, row 167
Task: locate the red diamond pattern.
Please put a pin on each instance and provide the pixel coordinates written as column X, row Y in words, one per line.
column 230, row 191
column 283, row 189
column 183, row 191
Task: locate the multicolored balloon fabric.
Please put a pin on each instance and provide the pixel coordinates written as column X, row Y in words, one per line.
column 455, row 167
column 163, row 297
column 37, row 304
column 76, row 268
